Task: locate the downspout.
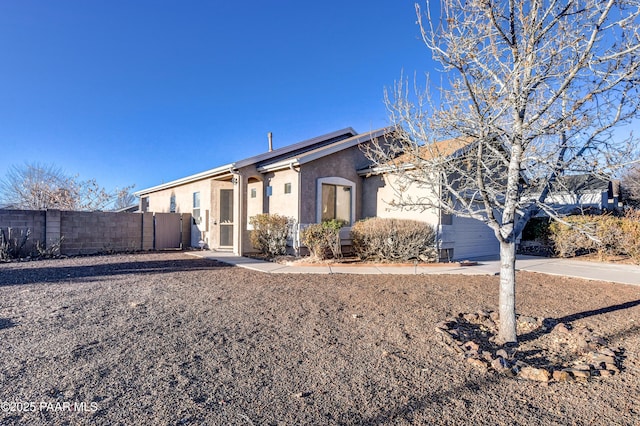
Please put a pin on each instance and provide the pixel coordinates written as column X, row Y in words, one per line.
column 238, row 213
column 295, row 237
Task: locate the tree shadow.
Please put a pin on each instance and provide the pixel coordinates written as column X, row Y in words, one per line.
column 6, row 323
column 64, row 274
column 468, row 331
column 549, row 323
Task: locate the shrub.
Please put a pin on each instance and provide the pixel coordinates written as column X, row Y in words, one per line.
column 605, row 235
column 322, row 238
column 394, row 240
column 269, row 234
column 572, row 238
column 13, row 242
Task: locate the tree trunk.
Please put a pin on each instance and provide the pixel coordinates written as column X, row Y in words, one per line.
column 507, row 330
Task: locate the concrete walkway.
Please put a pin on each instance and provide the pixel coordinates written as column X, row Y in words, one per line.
column 624, row 274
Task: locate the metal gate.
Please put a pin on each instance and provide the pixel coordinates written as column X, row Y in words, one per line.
column 168, row 231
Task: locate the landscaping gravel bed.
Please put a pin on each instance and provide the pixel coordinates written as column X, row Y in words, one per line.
column 166, row 338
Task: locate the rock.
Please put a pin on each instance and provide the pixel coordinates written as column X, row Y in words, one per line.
column 598, row 359
column 584, row 331
column 443, row 325
column 527, row 320
column 477, row 363
column 607, row 351
column 581, row 366
column 500, row 364
column 606, row 373
column 597, row 340
column 535, row 374
column 561, row 328
column 612, row 367
column 487, row 356
column 471, row 317
column 482, row 314
column 502, row 353
column 494, row 316
column 471, row 346
column 579, row 374
column 561, row 376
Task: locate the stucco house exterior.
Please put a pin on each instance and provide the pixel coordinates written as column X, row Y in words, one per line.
column 326, row 177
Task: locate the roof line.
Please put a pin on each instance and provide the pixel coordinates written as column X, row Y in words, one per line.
column 247, row 161
column 323, row 151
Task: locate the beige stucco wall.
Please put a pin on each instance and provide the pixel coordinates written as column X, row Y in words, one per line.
column 380, row 191
column 279, row 202
column 159, row 202
column 343, row 164
column 255, row 205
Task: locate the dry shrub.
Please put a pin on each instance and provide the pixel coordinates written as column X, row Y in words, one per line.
column 606, row 235
column 13, row 242
column 323, row 238
column 269, row 234
column 394, row 240
column 630, row 239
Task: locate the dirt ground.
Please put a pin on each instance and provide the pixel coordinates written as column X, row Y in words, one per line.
column 167, row 338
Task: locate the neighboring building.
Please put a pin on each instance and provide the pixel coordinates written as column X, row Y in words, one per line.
column 575, row 193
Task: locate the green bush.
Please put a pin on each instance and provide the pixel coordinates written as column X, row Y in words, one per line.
column 394, row 240
column 605, row 235
column 323, row 238
column 269, row 234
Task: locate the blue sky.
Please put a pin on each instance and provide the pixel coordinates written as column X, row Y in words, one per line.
column 144, row 92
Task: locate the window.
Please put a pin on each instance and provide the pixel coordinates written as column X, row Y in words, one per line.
column 172, row 203
column 196, row 208
column 145, row 204
column 287, row 188
column 336, row 202
column 254, row 193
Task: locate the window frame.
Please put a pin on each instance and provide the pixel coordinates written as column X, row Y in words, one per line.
column 336, row 181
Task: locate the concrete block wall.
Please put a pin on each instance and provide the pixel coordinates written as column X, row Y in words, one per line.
column 96, row 232
column 87, row 232
column 147, row 231
column 23, row 220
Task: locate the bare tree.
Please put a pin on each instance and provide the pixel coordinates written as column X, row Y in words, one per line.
column 630, row 186
column 125, row 199
column 36, row 186
column 530, row 91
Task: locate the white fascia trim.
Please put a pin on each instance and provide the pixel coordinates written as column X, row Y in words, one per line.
column 188, row 179
column 324, row 151
column 246, row 162
column 344, row 144
column 378, row 170
column 280, row 165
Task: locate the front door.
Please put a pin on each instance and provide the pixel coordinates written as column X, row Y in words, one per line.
column 226, row 218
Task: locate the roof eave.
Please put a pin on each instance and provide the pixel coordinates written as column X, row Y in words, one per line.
column 188, row 179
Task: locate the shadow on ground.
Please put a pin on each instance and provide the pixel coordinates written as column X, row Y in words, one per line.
column 56, row 275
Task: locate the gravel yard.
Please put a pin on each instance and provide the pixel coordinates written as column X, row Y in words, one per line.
column 166, row 338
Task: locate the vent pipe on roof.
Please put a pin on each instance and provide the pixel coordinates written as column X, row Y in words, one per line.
column 270, row 137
